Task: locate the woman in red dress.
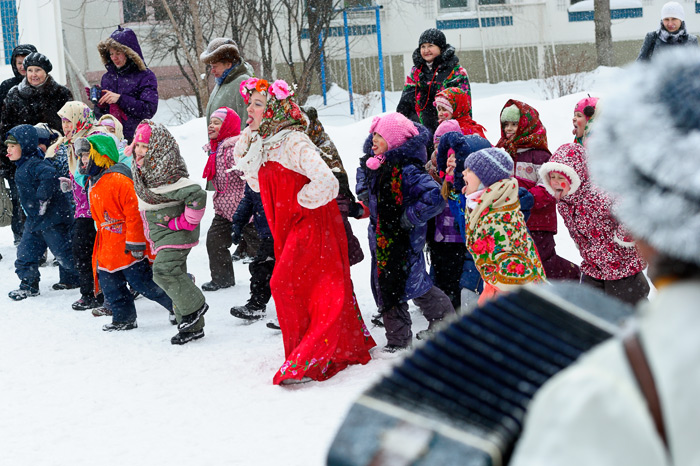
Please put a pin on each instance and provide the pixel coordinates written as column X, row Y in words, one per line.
column 321, row 324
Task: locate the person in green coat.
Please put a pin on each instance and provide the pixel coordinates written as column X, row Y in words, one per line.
column 172, row 207
column 229, row 70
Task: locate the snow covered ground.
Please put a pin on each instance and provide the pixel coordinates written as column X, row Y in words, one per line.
column 73, row 394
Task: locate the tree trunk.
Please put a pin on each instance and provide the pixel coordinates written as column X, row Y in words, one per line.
column 603, row 33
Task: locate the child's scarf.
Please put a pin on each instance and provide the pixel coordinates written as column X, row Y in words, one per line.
column 162, row 165
column 230, row 127
column 530, row 134
column 393, row 241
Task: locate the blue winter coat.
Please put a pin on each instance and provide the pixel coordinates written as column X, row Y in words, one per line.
column 422, row 201
column 37, row 182
column 134, row 82
column 251, row 205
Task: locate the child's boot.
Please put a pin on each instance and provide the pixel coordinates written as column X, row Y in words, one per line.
column 25, row 290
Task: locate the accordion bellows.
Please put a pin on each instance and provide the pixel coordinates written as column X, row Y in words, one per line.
column 461, row 397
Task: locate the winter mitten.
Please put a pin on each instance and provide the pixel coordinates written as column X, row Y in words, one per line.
column 137, row 254
column 359, row 210
column 189, row 220
column 42, row 207
column 236, row 234
column 66, row 184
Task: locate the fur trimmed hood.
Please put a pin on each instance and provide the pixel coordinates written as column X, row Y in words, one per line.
column 124, row 40
column 569, row 159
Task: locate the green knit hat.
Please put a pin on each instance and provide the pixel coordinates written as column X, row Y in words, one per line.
column 106, row 147
column 511, row 114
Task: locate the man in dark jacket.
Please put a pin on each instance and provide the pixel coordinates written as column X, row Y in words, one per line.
column 49, row 215
column 129, row 88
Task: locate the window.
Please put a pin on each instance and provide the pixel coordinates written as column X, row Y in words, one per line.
column 454, row 4
column 574, row 2
column 492, row 2
column 358, row 3
column 141, row 11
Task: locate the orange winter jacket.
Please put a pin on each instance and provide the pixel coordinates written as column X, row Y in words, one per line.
column 115, row 209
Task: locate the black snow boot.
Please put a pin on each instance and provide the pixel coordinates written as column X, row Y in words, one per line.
column 190, row 320
column 251, row 311
column 86, row 302
column 185, row 337
column 119, row 326
column 25, row 290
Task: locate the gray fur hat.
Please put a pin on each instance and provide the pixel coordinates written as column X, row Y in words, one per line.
column 221, row 49
column 649, row 158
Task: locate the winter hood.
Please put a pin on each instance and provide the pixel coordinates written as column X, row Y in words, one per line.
column 569, row 159
column 28, row 140
column 125, row 40
column 20, row 50
column 447, row 56
column 463, row 146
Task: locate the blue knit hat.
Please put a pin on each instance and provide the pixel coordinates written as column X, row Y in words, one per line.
column 490, row 165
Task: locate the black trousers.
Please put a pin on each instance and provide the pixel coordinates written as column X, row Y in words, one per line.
column 84, row 234
column 447, row 260
column 218, row 244
column 261, row 271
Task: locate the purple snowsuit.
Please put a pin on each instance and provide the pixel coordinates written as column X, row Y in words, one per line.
column 134, row 82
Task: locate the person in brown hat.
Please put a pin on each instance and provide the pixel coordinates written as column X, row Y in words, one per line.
column 229, row 70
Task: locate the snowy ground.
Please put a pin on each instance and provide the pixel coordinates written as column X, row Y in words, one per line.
column 73, row 394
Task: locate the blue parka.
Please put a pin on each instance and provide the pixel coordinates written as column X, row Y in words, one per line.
column 421, row 199
column 37, row 182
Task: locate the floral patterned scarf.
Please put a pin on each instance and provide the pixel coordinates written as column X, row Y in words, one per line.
column 83, row 122
column 393, row 241
column 282, row 114
column 530, row 134
column 162, row 165
column 461, row 103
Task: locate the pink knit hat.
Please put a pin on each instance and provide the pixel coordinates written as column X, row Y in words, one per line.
column 585, row 103
column 442, row 100
column 394, row 128
column 447, row 126
column 142, row 134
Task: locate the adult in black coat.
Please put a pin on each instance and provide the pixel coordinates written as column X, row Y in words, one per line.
column 36, row 99
column 671, row 33
column 16, row 62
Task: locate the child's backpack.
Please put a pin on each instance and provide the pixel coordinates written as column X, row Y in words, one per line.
column 5, row 204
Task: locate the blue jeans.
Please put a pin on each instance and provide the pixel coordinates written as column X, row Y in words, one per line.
column 140, row 276
column 32, row 247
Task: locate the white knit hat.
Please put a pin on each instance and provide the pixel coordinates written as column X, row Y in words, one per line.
column 673, row 10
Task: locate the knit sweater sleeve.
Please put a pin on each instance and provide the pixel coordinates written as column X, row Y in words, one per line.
column 303, row 157
column 239, row 151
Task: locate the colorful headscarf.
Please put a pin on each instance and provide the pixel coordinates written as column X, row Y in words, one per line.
column 162, row 165
column 461, row 104
column 531, row 134
column 282, row 112
column 83, row 122
column 230, row 127
column 281, row 115
column 112, row 121
column 588, row 107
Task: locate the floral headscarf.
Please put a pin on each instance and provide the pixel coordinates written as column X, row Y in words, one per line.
column 83, row 122
column 461, row 103
column 162, row 165
column 282, row 114
column 530, row 134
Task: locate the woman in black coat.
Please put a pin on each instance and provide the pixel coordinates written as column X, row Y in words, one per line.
column 36, row 99
column 671, row 32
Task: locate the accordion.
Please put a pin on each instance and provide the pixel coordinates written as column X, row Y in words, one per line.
column 462, row 396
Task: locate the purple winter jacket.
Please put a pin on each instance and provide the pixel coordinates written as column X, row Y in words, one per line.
column 422, row 201
column 134, row 82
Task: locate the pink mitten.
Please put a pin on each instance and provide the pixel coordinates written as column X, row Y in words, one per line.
column 189, row 220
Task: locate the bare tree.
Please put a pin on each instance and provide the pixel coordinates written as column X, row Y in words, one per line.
column 189, row 26
column 304, row 17
column 603, row 32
